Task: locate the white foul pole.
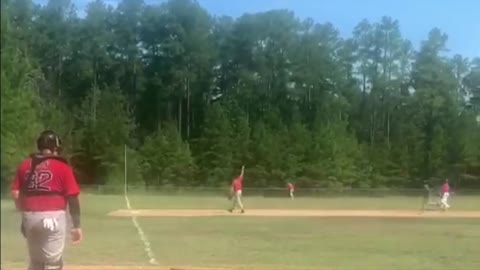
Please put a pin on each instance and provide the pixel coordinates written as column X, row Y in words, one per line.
column 125, row 168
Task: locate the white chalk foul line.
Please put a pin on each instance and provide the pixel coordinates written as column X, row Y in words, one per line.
column 142, row 235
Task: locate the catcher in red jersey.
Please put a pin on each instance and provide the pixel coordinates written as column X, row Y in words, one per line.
column 43, row 187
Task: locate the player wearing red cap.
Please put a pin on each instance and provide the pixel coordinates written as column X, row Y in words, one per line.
column 43, row 186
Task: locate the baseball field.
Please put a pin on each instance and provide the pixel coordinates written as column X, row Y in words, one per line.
column 196, row 232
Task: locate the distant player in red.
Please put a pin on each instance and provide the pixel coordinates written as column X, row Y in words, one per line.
column 237, row 186
column 445, row 195
column 43, row 186
column 291, row 189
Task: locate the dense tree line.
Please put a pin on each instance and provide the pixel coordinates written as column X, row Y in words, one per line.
column 195, row 96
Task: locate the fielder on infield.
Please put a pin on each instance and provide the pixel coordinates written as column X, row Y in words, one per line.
column 445, row 195
column 237, row 185
column 291, row 190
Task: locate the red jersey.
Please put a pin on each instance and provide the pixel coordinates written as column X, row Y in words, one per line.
column 446, row 188
column 291, row 186
column 48, row 189
column 237, row 183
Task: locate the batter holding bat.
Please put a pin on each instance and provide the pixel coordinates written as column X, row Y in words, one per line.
column 237, row 185
column 43, row 186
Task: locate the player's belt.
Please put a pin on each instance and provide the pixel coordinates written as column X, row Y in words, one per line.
column 40, row 193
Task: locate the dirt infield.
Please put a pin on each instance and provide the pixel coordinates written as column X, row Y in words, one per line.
column 295, row 213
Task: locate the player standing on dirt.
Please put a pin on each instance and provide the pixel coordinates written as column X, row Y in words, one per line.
column 43, row 186
column 445, row 195
column 291, row 189
column 237, row 185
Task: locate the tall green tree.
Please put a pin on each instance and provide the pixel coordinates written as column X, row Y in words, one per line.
column 192, row 97
column 105, row 126
column 166, row 159
column 214, row 150
column 434, row 83
column 20, row 100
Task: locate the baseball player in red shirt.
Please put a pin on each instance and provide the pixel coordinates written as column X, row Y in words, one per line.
column 291, row 189
column 237, row 185
column 445, row 195
column 43, row 186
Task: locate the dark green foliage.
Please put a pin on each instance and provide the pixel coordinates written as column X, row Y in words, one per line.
column 192, row 98
column 166, row 159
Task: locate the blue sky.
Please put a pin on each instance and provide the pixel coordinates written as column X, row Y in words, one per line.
column 459, row 19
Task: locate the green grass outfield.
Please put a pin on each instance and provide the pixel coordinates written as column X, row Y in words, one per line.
column 265, row 242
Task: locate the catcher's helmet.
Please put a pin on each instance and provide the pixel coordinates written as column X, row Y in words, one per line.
column 49, row 140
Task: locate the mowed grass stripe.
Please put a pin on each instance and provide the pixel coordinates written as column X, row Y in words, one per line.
column 463, row 203
column 293, row 213
column 337, row 243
